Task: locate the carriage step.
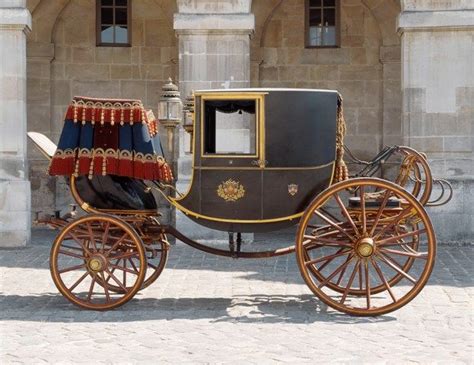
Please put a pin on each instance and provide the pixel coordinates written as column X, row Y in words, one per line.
column 354, row 202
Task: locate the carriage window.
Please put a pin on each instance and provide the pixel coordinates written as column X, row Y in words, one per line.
column 229, row 127
column 322, row 23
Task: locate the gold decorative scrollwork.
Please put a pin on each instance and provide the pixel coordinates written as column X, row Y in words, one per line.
column 230, row 190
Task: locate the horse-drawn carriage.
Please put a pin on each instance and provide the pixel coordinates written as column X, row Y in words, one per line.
column 364, row 245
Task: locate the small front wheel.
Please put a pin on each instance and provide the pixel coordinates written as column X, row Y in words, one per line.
column 86, row 262
column 365, row 246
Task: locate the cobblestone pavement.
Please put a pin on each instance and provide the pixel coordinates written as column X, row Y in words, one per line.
column 205, row 309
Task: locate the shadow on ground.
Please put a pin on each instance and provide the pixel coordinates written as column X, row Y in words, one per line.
column 261, row 309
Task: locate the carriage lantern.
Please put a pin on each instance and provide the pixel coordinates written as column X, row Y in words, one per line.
column 169, row 110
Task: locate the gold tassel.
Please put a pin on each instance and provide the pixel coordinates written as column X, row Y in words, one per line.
column 341, row 172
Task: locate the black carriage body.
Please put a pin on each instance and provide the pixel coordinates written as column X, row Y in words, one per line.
column 269, row 187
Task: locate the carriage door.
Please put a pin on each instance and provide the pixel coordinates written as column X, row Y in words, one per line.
column 230, row 155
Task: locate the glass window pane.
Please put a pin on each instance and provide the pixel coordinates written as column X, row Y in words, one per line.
column 121, row 16
column 315, row 36
column 107, row 16
column 121, row 34
column 106, row 34
column 329, row 2
column 315, row 2
column 106, row 2
column 315, row 17
column 329, row 36
column 230, row 127
column 329, row 17
column 121, row 2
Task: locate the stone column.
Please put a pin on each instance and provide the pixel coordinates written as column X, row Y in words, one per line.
column 15, row 21
column 214, row 52
column 438, row 101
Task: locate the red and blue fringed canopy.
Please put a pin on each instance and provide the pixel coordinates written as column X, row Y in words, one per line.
column 116, row 137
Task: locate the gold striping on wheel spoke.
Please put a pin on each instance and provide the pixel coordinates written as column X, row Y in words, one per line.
column 349, row 283
column 401, row 236
column 382, row 277
column 417, row 255
column 335, row 225
column 326, row 258
column 395, row 267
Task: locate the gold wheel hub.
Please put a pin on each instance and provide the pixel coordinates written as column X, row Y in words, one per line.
column 97, row 263
column 365, row 247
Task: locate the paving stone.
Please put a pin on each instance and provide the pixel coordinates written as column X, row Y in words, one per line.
column 206, row 309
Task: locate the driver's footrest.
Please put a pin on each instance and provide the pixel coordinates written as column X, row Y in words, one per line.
column 392, row 202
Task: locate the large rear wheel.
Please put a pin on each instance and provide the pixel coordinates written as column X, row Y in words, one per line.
column 365, row 246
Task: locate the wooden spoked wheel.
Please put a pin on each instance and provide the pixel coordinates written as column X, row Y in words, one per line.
column 156, row 257
column 156, row 254
column 88, row 253
column 367, row 254
column 414, row 173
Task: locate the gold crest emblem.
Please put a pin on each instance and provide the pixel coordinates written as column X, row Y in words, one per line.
column 292, row 189
column 230, row 190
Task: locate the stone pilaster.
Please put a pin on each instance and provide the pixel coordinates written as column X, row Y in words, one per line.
column 438, row 101
column 15, row 21
column 214, row 52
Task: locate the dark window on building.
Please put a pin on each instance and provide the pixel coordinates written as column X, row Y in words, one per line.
column 322, row 23
column 113, row 23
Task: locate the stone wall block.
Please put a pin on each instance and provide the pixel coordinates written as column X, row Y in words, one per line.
column 353, row 19
column 152, row 72
column 392, row 121
column 324, row 72
column 158, row 33
column 153, row 92
column 392, row 95
column 103, row 54
column 269, row 56
column 392, row 71
column 122, row 72
column 274, row 37
column 58, row 71
column 61, row 92
column 414, row 100
column 76, row 32
column 353, row 92
column 350, row 40
column 122, row 55
column 269, row 73
column 43, row 187
column 89, row 72
column 95, row 88
column 39, row 118
column 369, row 121
column 465, row 98
column 150, row 55
column 12, row 197
column 38, row 91
column 138, row 27
column 297, row 73
column 83, row 54
column 427, row 144
column 133, row 89
column 458, row 144
column 325, row 56
column 356, row 72
column 37, row 69
column 63, row 53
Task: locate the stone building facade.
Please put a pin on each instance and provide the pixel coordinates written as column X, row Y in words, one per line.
column 404, row 67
